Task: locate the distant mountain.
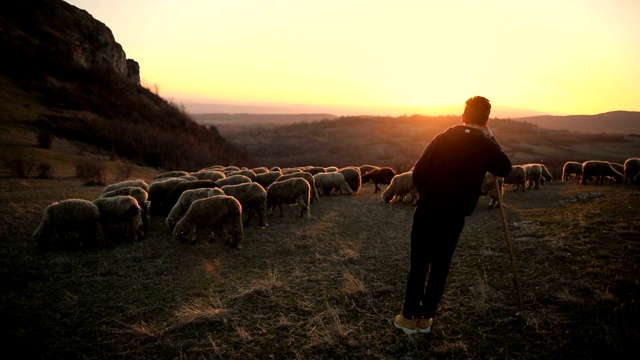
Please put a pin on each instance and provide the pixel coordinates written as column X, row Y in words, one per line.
column 625, row 122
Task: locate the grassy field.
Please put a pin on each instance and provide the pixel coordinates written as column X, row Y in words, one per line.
column 329, row 286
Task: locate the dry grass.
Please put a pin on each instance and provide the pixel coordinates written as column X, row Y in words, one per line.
column 328, row 286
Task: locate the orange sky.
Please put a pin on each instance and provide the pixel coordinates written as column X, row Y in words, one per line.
column 400, row 56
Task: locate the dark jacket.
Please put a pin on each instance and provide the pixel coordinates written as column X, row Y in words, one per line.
column 449, row 173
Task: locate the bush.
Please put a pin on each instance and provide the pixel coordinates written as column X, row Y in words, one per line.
column 45, row 170
column 19, row 166
column 92, row 171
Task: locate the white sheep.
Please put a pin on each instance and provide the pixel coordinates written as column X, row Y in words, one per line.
column 233, row 180
column 314, row 169
column 141, row 196
column 158, row 191
column 184, row 202
column 70, row 224
column 208, row 175
column 170, row 174
column 253, row 198
column 127, row 183
column 332, row 180
column 209, row 214
column 571, row 169
column 401, row 185
column 172, row 197
column 489, row 189
column 534, row 174
column 290, row 191
column 120, row 217
column 307, row 176
column 631, row 168
column 266, row 179
column 246, row 172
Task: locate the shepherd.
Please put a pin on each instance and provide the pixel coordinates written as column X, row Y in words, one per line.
column 448, row 176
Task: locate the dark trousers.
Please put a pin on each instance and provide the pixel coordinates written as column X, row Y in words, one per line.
column 434, row 236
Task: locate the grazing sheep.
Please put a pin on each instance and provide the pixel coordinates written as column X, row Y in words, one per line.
column 141, row 197
column 120, row 217
column 517, row 177
column 400, row 186
column 253, row 198
column 170, row 174
column 314, row 169
column 571, row 168
column 266, row 179
column 546, row 174
column 290, row 170
column 233, row 180
column 382, row 175
column 599, row 170
column 209, row 214
column 367, row 168
column 619, row 167
column 246, row 172
column 158, row 191
column 185, row 200
column 172, row 198
column 122, row 184
column 208, row 175
column 331, row 169
column 631, row 169
column 534, row 173
column 489, row 189
column 332, row 180
column 291, row 191
column 353, row 177
column 70, row 224
column 260, row 170
column 307, row 176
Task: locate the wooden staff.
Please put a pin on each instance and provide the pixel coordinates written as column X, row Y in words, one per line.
column 514, row 268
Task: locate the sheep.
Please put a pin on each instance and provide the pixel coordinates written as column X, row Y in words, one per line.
column 266, row 179
column 307, row 176
column 290, row 170
column 489, row 189
column 366, row 168
column 332, row 180
column 210, row 214
column 517, row 177
column 314, row 169
column 290, row 191
column 233, row 180
column 141, row 197
column 172, row 198
column 70, row 224
column 382, row 175
column 248, row 173
column 571, row 168
column 353, row 177
column 122, row 184
column 400, row 186
column 331, row 169
column 158, row 191
column 208, row 175
column 170, row 174
column 534, row 173
column 185, row 200
column 120, row 217
column 253, row 198
column 546, row 174
column 600, row 170
column 631, row 169
column 260, row 170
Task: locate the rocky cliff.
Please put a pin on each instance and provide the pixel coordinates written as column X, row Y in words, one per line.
column 62, row 32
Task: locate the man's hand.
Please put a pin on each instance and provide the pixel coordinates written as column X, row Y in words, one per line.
column 487, row 132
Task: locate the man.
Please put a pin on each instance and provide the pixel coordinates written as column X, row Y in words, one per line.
column 448, row 176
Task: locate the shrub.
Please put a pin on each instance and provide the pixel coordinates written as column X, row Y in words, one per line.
column 45, row 170
column 20, row 166
column 92, row 171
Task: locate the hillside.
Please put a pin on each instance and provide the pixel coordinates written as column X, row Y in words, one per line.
column 64, row 76
column 621, row 122
column 398, row 141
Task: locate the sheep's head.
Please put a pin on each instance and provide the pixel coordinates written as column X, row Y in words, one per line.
column 184, row 236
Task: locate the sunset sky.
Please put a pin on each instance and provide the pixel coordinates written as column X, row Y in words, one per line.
column 400, row 56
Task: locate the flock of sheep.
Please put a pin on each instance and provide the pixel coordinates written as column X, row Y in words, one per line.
column 217, row 198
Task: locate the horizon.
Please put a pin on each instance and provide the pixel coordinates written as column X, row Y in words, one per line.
column 547, row 57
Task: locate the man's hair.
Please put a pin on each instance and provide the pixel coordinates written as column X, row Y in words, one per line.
column 477, row 111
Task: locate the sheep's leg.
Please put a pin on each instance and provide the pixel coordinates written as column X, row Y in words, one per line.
column 250, row 215
column 375, row 184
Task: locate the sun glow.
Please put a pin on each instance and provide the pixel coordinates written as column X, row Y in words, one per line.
column 554, row 56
